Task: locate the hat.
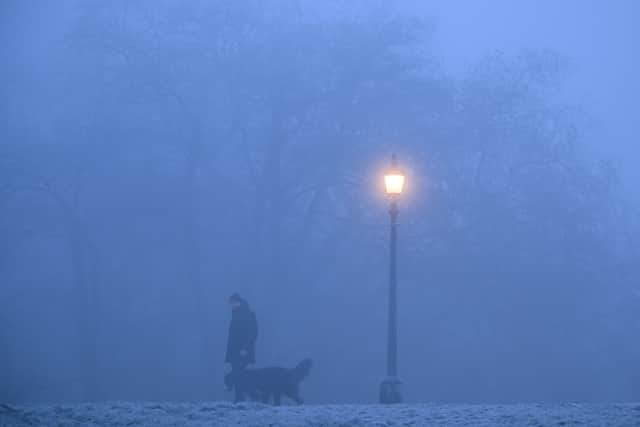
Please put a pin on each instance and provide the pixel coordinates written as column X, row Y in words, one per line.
column 235, row 298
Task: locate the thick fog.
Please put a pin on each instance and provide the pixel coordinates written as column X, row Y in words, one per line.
column 158, row 156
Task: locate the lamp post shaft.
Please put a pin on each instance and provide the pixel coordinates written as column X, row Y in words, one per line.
column 390, row 387
column 392, row 333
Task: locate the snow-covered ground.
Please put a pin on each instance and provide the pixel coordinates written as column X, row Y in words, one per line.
column 229, row 415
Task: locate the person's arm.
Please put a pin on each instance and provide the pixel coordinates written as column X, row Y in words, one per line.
column 231, row 343
column 249, row 332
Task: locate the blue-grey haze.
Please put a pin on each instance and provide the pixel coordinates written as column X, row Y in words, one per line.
column 157, row 156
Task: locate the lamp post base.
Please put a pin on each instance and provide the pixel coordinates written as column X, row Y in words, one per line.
column 390, row 391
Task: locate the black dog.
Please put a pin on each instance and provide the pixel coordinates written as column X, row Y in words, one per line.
column 263, row 384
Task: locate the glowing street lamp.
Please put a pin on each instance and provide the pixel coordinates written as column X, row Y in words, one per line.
column 390, row 391
column 394, row 179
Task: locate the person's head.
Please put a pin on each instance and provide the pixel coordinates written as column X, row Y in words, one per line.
column 235, row 301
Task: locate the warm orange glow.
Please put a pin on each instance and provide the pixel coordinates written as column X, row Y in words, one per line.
column 394, row 183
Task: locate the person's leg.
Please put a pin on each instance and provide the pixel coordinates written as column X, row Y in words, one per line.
column 236, row 373
column 238, row 367
column 229, row 381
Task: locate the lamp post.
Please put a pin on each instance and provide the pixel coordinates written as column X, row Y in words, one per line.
column 390, row 388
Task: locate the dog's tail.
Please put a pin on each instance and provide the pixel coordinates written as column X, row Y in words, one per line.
column 303, row 369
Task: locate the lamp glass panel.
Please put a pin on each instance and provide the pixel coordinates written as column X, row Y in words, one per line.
column 394, row 183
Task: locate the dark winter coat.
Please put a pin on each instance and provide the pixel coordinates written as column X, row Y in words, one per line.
column 243, row 332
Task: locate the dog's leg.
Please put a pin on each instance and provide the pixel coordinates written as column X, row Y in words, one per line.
column 254, row 395
column 294, row 394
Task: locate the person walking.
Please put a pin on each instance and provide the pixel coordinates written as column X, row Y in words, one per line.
column 243, row 333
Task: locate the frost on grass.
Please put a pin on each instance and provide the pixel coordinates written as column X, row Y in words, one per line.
column 248, row 414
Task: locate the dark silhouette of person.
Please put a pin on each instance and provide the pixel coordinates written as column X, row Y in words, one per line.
column 243, row 332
